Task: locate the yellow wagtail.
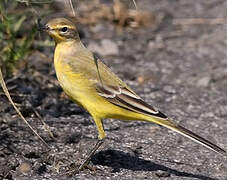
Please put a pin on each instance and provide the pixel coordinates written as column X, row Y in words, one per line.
column 91, row 84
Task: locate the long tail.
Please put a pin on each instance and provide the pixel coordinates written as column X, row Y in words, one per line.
column 185, row 132
column 125, row 98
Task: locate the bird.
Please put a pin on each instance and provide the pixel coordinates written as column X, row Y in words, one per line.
column 91, row 84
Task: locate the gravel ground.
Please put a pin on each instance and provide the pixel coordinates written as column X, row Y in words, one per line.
column 181, row 69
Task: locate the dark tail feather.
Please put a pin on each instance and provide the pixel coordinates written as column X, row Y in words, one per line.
column 185, row 132
column 199, row 139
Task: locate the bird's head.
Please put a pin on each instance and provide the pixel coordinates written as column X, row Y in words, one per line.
column 61, row 30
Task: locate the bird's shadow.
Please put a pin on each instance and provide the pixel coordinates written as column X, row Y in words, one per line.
column 118, row 159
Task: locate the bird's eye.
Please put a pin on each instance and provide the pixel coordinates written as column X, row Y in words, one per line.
column 64, row 29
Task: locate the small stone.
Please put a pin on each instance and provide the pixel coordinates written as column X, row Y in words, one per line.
column 204, row 81
column 140, row 79
column 169, row 89
column 161, row 173
column 24, row 167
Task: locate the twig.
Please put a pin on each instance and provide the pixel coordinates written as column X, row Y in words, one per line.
column 191, row 21
column 71, row 5
column 17, row 110
column 134, row 2
column 14, row 94
column 46, row 127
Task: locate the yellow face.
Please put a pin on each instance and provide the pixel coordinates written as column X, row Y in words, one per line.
column 61, row 29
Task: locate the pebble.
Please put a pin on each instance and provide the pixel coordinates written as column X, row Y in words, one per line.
column 169, row 89
column 204, row 81
column 24, row 168
column 161, row 173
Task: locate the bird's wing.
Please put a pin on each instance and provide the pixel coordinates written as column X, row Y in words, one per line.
column 117, row 92
column 109, row 86
column 123, row 97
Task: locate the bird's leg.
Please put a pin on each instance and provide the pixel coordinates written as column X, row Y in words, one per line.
column 88, row 158
column 99, row 125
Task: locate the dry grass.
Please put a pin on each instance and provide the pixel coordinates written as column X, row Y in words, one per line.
column 117, row 12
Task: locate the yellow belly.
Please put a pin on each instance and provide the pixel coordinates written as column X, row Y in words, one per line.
column 83, row 92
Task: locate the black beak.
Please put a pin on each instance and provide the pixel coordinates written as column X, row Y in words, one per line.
column 42, row 27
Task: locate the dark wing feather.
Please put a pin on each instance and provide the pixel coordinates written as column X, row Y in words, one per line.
column 124, row 98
